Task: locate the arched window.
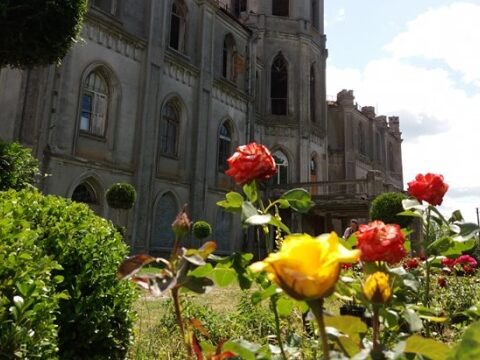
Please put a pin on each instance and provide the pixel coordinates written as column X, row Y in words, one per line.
column 224, row 146
column 391, row 158
column 314, row 10
column 108, row 6
column 280, row 7
column 85, row 193
column 239, row 6
column 177, row 26
column 94, row 104
column 165, row 213
column 229, row 51
column 169, row 126
column 223, row 231
column 361, row 139
column 279, row 86
column 281, row 177
column 312, row 94
column 313, row 166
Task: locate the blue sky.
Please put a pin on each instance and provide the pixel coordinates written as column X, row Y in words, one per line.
column 420, row 60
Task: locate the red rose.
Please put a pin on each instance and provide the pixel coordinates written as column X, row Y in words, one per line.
column 468, row 269
column 381, row 242
column 251, row 162
column 441, row 281
column 411, row 264
column 346, row 266
column 466, row 259
column 429, row 187
column 450, row 263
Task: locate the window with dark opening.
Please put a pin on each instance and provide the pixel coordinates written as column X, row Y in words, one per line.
column 312, row 94
column 239, row 6
column 177, row 26
column 315, row 14
column 169, row 129
column 279, row 86
column 280, row 7
column 224, row 146
column 84, row 193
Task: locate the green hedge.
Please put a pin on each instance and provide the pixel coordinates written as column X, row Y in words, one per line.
column 96, row 321
column 38, row 32
column 18, row 167
column 386, row 206
column 28, row 302
column 121, row 196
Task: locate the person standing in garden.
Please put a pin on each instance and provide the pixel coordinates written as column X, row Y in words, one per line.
column 351, row 229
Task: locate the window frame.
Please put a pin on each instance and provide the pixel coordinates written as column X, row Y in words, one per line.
column 279, row 83
column 169, row 121
column 281, row 8
column 97, row 98
column 224, row 152
column 178, row 11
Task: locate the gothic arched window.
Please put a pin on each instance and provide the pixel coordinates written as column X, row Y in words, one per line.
column 224, row 145
column 279, row 86
column 177, row 26
column 228, row 58
column 281, row 160
column 169, row 127
column 94, row 104
column 280, row 7
column 312, row 94
column 313, row 166
column 86, row 193
column 165, row 213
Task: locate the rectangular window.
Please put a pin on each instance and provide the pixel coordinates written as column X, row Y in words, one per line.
column 86, row 116
column 175, row 32
column 280, row 7
column 108, row 6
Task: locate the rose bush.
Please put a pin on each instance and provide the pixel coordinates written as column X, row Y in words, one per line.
column 429, row 187
column 381, row 242
column 251, row 162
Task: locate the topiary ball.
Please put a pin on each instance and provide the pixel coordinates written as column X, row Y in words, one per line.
column 386, row 206
column 121, row 196
column 201, row 229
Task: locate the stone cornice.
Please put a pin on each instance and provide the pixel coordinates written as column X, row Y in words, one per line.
column 113, row 38
column 230, row 95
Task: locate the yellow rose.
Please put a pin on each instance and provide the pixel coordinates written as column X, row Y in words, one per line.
column 305, row 267
column 377, row 288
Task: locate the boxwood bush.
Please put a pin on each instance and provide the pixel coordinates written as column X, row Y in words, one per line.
column 121, row 196
column 96, row 321
column 28, row 302
column 386, row 206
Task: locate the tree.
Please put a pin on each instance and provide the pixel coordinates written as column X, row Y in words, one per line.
column 38, row 32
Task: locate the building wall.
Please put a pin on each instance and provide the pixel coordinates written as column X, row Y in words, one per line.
column 130, row 46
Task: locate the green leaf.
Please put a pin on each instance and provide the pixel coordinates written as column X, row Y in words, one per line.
column 349, row 325
column 223, row 276
column 410, row 213
column 413, row 320
column 299, row 200
column 412, row 204
column 201, row 271
column 198, row 285
column 250, row 190
column 466, row 231
column 232, row 203
column 248, row 210
column 244, row 349
column 430, row 348
column 260, row 295
column 469, row 346
column 285, row 306
column 278, row 224
column 282, row 204
column 259, row 219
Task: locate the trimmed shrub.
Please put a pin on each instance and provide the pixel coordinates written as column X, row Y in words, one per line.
column 386, row 206
column 28, row 302
column 121, row 196
column 17, row 166
column 38, row 32
column 201, row 229
column 97, row 319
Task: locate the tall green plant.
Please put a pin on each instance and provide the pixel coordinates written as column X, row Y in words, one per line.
column 18, row 167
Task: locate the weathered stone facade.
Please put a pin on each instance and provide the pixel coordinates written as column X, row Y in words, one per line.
column 158, row 92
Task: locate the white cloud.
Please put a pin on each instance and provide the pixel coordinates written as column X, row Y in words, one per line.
column 449, row 33
column 439, row 118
